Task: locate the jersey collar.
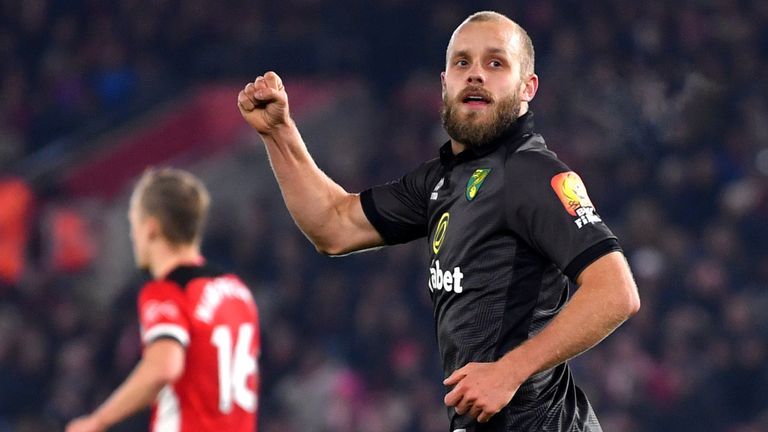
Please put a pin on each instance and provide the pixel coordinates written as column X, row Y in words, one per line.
column 522, row 128
column 183, row 266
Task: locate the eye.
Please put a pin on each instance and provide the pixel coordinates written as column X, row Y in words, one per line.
column 461, row 62
column 496, row 63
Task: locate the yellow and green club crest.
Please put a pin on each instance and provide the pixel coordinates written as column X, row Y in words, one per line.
column 474, row 182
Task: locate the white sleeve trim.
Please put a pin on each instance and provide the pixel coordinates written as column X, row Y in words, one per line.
column 172, row 330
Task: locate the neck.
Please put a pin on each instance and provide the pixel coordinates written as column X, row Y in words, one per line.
column 168, row 257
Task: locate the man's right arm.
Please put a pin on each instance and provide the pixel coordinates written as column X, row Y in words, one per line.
column 332, row 218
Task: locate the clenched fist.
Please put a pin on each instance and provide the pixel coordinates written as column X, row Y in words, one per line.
column 264, row 103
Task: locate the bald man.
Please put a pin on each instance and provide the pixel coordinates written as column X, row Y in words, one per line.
column 509, row 227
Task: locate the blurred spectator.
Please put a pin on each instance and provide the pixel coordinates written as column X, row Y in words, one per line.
column 15, row 212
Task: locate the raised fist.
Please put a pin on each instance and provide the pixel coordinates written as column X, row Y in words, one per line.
column 264, row 103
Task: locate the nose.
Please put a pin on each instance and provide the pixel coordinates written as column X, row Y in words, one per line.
column 475, row 75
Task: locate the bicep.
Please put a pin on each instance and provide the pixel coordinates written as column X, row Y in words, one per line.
column 611, row 279
column 610, row 268
column 357, row 231
column 165, row 357
column 387, row 214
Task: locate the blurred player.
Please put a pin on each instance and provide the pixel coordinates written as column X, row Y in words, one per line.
column 508, row 225
column 199, row 326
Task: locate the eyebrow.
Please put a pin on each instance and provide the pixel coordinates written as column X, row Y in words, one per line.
column 465, row 53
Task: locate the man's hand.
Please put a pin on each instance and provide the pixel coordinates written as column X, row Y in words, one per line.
column 85, row 424
column 481, row 389
column 264, row 103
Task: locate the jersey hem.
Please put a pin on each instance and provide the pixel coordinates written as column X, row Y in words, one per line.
column 374, row 217
column 169, row 331
column 591, row 255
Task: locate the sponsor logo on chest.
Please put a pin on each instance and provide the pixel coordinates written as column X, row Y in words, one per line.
column 448, row 280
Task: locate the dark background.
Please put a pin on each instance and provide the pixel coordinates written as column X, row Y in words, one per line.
column 660, row 106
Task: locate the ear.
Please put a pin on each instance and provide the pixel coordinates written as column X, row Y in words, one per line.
column 154, row 230
column 442, row 83
column 530, row 86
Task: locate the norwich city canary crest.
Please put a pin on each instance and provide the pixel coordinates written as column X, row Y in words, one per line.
column 474, row 182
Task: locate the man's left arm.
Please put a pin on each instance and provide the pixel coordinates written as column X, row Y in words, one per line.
column 606, row 297
column 162, row 363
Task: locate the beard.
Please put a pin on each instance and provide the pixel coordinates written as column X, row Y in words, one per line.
column 471, row 130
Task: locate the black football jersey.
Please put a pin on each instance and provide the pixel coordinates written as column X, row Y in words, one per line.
column 508, row 225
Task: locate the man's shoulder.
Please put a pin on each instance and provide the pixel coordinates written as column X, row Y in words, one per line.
column 533, row 159
column 158, row 286
column 428, row 168
column 423, row 177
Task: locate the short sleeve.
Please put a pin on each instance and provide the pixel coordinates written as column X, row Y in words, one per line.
column 398, row 210
column 549, row 207
column 162, row 313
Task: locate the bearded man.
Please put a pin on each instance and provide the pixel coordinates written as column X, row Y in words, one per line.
column 509, row 227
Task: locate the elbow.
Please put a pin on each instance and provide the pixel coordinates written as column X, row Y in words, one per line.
column 325, row 248
column 633, row 307
column 632, row 302
column 325, row 244
column 330, row 247
column 330, row 250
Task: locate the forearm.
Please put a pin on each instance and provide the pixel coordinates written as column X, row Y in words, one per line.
column 597, row 308
column 600, row 305
column 578, row 327
column 137, row 392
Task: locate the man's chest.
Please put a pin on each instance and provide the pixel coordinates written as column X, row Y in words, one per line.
column 466, row 205
column 468, row 241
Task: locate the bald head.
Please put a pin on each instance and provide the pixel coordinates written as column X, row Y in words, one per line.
column 523, row 41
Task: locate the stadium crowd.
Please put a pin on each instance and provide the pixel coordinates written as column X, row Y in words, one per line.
column 660, row 106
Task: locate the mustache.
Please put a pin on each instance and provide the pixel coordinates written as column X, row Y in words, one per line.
column 475, row 91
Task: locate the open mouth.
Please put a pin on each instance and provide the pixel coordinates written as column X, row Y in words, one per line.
column 475, row 100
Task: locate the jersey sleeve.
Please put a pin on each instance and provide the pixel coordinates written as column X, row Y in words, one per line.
column 548, row 206
column 162, row 313
column 398, row 210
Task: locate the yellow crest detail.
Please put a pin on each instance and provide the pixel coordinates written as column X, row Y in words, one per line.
column 475, row 181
